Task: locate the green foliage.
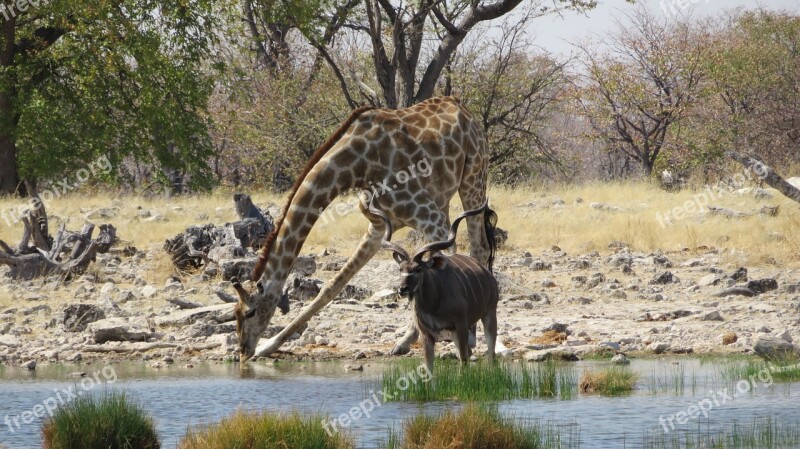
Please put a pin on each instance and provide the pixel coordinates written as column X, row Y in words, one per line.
column 266, row 431
column 120, row 79
column 111, row 421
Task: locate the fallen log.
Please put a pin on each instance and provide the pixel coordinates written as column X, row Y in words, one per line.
column 67, row 254
column 764, row 172
column 192, row 249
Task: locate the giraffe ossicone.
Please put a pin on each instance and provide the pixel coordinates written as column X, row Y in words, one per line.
column 437, row 138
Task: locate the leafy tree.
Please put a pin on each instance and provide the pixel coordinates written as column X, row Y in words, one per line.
column 638, row 91
column 120, row 78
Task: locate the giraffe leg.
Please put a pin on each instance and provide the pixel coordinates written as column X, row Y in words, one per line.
column 369, row 246
column 434, row 230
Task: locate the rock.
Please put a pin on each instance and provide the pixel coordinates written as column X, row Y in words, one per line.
column 619, row 294
column 358, row 367
column 762, row 285
column 712, row 316
column 29, row 365
column 9, row 341
column 558, row 327
column 108, row 288
column 606, row 207
column 735, row 291
column 148, row 291
column 662, row 278
column 620, row 359
column 740, row 275
column 218, row 253
column 785, row 335
column 302, row 289
column 168, row 360
column 219, row 313
column 610, row 344
column 540, row 265
column 658, row 347
column 385, row 295
column 183, row 304
column 565, row 355
column 769, row 348
column 708, row 280
column 78, row 316
column 117, row 329
column 236, row 268
column 729, row 338
column 304, row 265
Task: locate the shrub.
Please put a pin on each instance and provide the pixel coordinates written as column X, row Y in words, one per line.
column 111, row 421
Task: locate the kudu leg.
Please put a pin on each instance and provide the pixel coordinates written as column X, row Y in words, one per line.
column 428, row 344
column 462, row 343
column 490, row 332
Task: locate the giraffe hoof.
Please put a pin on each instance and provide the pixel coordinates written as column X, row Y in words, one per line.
column 400, row 350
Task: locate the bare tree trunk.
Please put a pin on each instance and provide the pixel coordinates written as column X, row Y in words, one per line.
column 765, row 173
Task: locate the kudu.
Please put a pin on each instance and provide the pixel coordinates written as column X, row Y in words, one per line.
column 450, row 293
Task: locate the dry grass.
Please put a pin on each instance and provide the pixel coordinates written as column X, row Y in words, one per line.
column 550, row 337
column 575, row 226
column 610, row 381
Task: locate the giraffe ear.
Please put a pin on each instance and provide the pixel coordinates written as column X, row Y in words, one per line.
column 243, row 295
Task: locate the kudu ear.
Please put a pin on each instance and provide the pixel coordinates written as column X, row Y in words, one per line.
column 437, row 261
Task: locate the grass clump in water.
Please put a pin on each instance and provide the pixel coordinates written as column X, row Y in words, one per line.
column 476, row 427
column 760, row 434
column 250, row 430
column 480, row 382
column 111, row 421
column 610, row 381
column 757, row 370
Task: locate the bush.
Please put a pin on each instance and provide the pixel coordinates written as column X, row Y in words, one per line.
column 474, row 427
column 108, row 422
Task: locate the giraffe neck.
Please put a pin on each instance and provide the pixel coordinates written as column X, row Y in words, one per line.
column 305, row 209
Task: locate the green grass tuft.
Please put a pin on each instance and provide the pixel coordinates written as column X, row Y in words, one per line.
column 111, row 421
column 250, row 430
column 760, row 434
column 477, row 427
column 482, row 382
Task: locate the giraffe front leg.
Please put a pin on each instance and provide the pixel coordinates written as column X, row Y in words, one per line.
column 369, row 246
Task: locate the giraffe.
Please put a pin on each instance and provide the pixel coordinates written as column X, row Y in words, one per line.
column 383, row 152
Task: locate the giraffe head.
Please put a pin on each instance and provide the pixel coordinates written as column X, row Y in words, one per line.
column 249, row 325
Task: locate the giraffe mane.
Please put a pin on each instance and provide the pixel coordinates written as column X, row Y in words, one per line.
column 321, row 151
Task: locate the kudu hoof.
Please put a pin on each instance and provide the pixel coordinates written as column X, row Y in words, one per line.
column 400, row 350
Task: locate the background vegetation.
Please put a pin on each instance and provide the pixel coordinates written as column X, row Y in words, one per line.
column 190, row 95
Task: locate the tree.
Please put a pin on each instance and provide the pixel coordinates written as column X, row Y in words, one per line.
column 754, row 74
column 637, row 91
column 515, row 90
column 119, row 78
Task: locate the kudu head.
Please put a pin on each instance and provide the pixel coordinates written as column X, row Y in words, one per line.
column 413, row 267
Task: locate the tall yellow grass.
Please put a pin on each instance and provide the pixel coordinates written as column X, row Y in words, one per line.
column 575, row 226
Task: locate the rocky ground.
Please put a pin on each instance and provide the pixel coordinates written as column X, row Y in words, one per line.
column 553, row 303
